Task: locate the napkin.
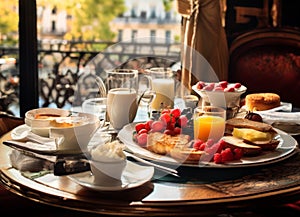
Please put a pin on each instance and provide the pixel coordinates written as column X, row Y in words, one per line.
column 282, row 113
column 45, row 148
column 26, row 163
column 287, row 117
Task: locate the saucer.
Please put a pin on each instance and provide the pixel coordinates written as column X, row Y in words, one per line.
column 134, row 175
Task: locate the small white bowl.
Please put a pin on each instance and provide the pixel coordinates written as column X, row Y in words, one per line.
column 72, row 131
column 42, row 124
column 107, row 173
column 76, row 138
column 221, row 98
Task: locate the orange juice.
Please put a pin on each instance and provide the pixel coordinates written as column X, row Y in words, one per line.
column 209, row 127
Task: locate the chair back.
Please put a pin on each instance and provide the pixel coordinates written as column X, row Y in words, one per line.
column 268, row 60
column 8, row 122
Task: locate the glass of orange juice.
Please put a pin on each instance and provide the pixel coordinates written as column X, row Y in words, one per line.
column 209, row 123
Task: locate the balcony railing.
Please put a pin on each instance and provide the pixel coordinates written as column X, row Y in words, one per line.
column 63, row 63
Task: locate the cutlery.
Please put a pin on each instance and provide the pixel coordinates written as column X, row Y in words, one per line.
column 27, row 135
column 157, row 166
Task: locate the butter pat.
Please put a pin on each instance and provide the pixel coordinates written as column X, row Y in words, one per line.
column 251, row 134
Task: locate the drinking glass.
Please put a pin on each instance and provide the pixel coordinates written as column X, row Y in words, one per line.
column 209, row 123
column 96, row 106
column 122, row 96
column 163, row 83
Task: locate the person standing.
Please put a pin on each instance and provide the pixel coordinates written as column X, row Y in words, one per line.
column 204, row 52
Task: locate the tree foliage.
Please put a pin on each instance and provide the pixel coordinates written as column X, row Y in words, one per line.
column 8, row 19
column 90, row 18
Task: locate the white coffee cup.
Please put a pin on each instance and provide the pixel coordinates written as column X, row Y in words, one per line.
column 121, row 106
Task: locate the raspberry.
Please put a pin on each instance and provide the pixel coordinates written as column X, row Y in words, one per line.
column 202, row 147
column 227, row 155
column 237, row 85
column 177, row 130
column 142, row 139
column 238, row 153
column 210, row 142
column 218, row 158
column 197, row 144
column 216, row 148
column 183, row 121
column 175, row 112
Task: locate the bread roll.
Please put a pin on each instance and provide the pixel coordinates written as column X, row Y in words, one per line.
column 262, row 101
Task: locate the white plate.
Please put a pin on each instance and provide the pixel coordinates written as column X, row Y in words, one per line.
column 285, row 149
column 133, row 176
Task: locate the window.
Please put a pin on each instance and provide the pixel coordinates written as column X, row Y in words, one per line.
column 120, row 35
column 168, row 36
column 153, row 13
column 53, row 26
column 152, row 35
column 133, row 35
column 143, row 14
column 168, row 15
column 133, row 12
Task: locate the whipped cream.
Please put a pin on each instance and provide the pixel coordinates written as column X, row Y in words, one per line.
column 109, row 152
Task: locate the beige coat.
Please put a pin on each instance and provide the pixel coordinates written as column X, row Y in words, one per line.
column 204, row 52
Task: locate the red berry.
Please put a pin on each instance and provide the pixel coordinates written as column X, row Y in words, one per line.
column 202, row 147
column 142, row 131
column 216, row 148
column 200, row 85
column 183, row 121
column 166, row 118
column 142, row 139
column 210, row 142
column 209, row 87
column 238, row 153
column 223, row 84
column 221, row 89
column 237, row 85
column 139, row 126
column 177, row 130
column 222, row 144
column 148, row 125
column 218, row 158
column 175, row 112
column 171, row 126
column 227, row 155
column 229, row 89
column 169, row 132
column 197, row 144
column 157, row 126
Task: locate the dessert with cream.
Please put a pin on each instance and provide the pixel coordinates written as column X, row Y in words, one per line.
column 108, row 162
column 109, row 152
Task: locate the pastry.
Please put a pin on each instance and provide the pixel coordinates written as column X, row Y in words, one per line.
column 262, row 101
column 161, row 143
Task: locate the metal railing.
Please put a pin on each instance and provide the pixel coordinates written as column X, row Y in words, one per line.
column 63, row 63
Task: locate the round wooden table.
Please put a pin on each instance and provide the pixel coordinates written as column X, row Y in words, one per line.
column 199, row 191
